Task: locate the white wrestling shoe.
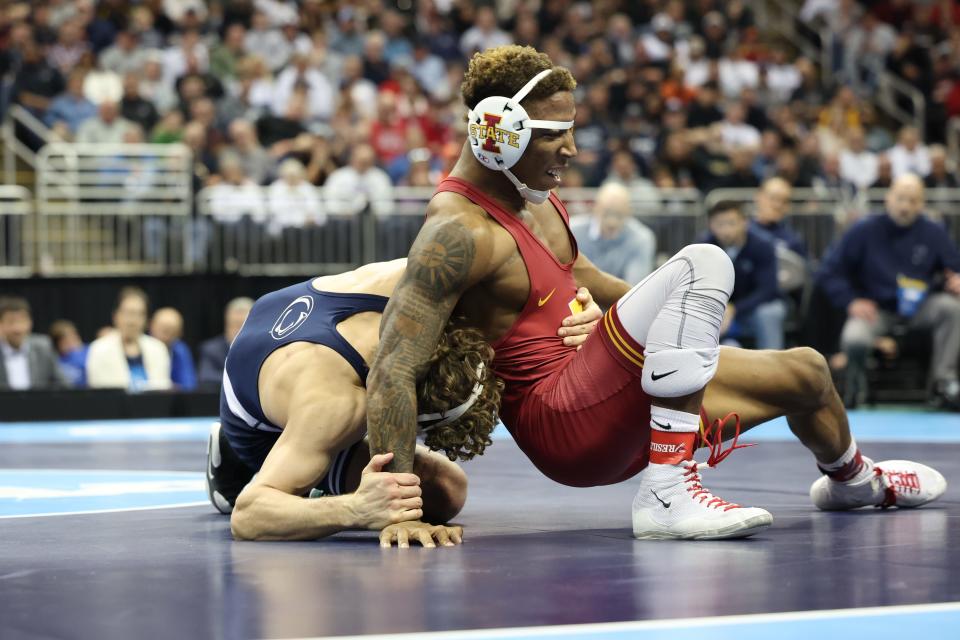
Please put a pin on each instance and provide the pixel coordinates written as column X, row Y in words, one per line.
column 892, row 483
column 672, row 504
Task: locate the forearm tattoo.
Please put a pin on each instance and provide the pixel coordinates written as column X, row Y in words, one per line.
column 437, row 272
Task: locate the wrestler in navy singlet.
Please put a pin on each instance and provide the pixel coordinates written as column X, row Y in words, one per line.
column 299, row 313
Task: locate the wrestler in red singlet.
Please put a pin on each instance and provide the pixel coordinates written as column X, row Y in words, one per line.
column 580, row 416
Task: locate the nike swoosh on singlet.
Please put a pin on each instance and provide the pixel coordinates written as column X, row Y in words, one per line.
column 543, row 301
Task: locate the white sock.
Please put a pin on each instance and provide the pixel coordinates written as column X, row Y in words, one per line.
column 662, row 419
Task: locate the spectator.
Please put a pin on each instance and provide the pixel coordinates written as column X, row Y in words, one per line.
column 226, row 56
column 858, row 165
column 272, row 129
column 350, row 189
column 362, row 92
column 154, row 87
column 73, row 352
column 127, row 358
column 736, row 73
column 319, row 91
column 613, row 239
column 772, row 206
column 429, row 70
column 346, row 39
column 190, row 52
column 292, row 201
column 883, row 272
column 266, row 42
column 292, row 41
column 376, row 69
column 256, row 162
column 755, row 307
column 704, row 110
column 70, row 109
column 909, row 155
column 27, row 361
column 213, row 352
column 866, row 47
column 236, row 196
column 484, row 33
column 166, row 325
column 941, row 176
column 884, row 173
column 783, row 76
column 124, row 55
column 70, row 47
column 106, row 128
column 735, row 132
column 36, row 82
column 135, row 107
column 657, row 44
column 741, row 174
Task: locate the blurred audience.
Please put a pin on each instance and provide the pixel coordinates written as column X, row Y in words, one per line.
column 613, row 239
column 127, row 358
column 292, row 202
column 897, row 268
column 27, row 361
column 166, row 325
column 755, row 308
column 213, row 352
column 72, row 350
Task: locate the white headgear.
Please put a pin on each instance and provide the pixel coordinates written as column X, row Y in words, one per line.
column 499, row 131
column 428, row 421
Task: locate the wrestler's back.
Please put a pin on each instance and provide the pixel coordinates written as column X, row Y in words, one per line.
column 300, row 368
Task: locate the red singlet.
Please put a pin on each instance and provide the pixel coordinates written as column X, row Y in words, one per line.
column 580, row 416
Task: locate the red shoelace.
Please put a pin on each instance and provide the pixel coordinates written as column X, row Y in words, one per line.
column 713, row 438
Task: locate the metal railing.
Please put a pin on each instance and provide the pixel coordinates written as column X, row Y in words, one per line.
column 16, row 232
column 251, row 231
column 13, row 147
column 953, row 137
column 110, row 208
column 892, row 92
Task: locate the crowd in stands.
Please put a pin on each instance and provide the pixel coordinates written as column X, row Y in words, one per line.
column 131, row 353
column 691, row 91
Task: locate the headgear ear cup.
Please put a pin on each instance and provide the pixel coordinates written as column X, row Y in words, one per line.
column 499, row 131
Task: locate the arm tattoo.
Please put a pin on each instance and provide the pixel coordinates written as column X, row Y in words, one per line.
column 437, row 274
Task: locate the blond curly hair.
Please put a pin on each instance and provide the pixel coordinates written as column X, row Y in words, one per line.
column 502, row 71
column 450, row 379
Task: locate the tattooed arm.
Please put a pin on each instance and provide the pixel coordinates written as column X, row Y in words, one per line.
column 450, row 254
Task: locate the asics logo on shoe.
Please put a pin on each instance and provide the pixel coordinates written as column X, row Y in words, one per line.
column 667, row 426
column 661, row 447
column 666, row 505
column 656, row 376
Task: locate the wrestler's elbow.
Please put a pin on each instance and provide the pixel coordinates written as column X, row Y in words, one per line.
column 245, row 520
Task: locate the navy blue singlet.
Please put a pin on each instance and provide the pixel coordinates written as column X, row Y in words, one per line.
column 299, row 313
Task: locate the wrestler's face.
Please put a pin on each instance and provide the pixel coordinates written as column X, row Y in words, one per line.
column 549, row 152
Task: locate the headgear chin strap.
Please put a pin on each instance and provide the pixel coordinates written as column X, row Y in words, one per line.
column 424, row 420
column 499, row 131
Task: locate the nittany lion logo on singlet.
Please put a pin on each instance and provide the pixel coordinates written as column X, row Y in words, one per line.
column 491, row 134
column 292, row 317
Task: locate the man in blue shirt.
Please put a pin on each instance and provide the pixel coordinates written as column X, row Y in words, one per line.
column 166, row 325
column 887, row 269
column 613, row 239
column 755, row 307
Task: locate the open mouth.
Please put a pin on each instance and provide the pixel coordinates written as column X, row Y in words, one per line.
column 556, row 173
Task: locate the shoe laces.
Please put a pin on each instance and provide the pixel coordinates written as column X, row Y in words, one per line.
column 713, row 438
column 896, row 483
column 694, row 485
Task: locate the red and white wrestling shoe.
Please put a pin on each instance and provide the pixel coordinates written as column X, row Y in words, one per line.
column 673, row 504
column 891, row 483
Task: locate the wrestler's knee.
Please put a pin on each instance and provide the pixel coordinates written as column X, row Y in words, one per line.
column 712, row 263
column 444, row 486
column 809, row 374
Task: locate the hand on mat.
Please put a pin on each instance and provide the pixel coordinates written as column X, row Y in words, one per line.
column 384, row 498
column 576, row 328
column 428, row 535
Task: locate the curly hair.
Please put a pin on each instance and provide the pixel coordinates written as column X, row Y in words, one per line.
column 450, row 379
column 502, row 71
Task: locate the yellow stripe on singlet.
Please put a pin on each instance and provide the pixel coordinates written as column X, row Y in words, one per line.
column 628, row 352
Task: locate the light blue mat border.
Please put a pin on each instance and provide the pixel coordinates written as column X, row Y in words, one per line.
column 931, row 622
column 867, row 426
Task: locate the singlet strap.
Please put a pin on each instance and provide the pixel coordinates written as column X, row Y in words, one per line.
column 347, row 305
